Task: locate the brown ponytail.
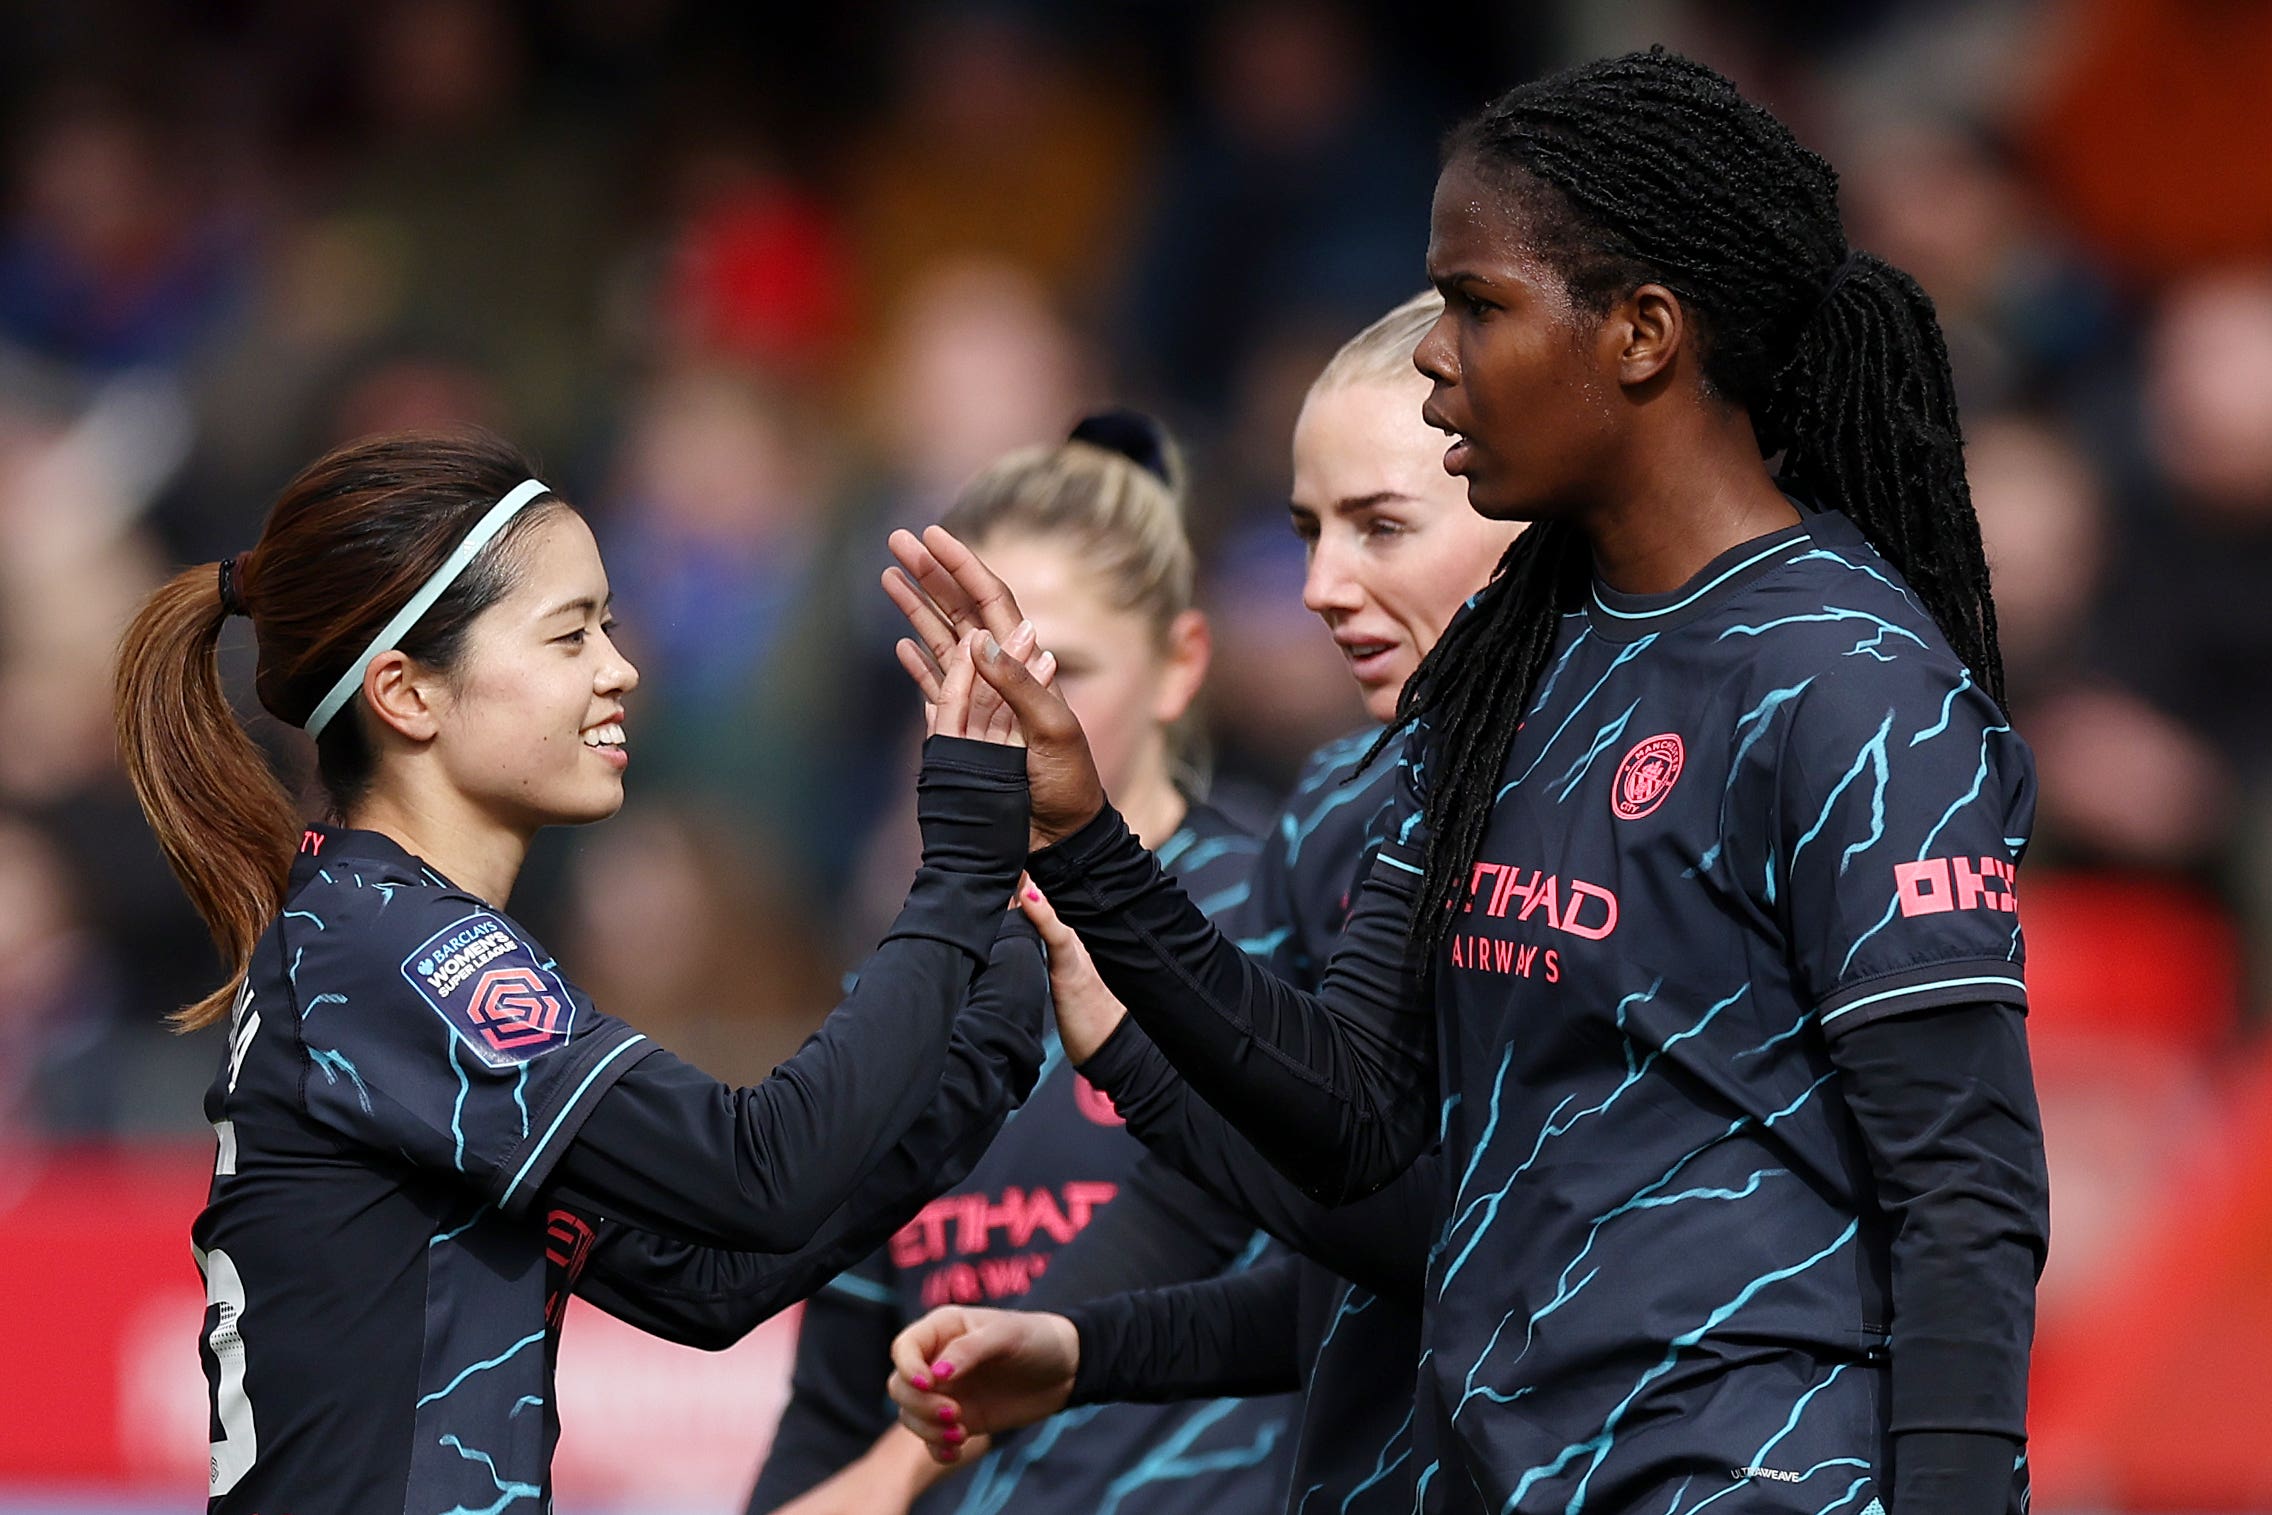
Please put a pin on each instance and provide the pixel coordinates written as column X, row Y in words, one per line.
column 225, row 823
column 347, row 544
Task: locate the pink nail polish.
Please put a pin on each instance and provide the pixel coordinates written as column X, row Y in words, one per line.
column 920, row 1382
column 955, row 1435
column 944, row 1370
column 1034, row 895
column 947, row 1414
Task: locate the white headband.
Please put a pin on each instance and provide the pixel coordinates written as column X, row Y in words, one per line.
column 446, row 575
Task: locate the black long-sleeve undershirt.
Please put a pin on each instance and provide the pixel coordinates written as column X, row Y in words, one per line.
column 1335, row 1089
column 1232, row 1335
column 763, row 1168
column 1379, row 1242
column 1945, row 1102
column 711, row 1297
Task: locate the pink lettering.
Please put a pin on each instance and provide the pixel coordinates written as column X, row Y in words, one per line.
column 1524, row 958
column 1923, row 888
column 1553, row 966
column 1084, row 1197
column 954, row 1284
column 1968, row 890
column 1580, row 892
column 970, row 1226
column 924, row 1239
column 1005, row 1276
column 1021, row 1214
column 1503, row 954
column 1475, row 883
column 1543, row 896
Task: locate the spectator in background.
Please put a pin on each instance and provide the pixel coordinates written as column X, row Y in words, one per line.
column 2024, row 314
column 60, row 999
column 692, row 932
column 755, row 270
column 73, row 562
column 1298, row 196
column 117, row 254
column 977, row 362
column 2045, row 527
column 475, row 217
column 2174, row 763
column 999, row 148
column 711, row 527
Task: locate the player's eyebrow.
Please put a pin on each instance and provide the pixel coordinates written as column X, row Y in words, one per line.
column 1352, row 504
column 582, row 605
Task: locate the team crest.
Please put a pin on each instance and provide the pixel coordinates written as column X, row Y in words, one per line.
column 1646, row 776
column 491, row 990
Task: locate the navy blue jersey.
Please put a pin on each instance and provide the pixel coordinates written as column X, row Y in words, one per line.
column 405, row 1066
column 428, row 1137
column 1751, row 836
column 1741, row 820
column 1318, row 849
column 1059, row 1161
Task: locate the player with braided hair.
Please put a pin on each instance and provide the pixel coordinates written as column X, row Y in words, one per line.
column 1700, row 947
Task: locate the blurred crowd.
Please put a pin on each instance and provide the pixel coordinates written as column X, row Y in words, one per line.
column 760, row 283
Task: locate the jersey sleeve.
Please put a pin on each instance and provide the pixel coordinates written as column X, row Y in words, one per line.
column 1329, row 1086
column 1234, row 1334
column 1901, row 806
column 433, row 1027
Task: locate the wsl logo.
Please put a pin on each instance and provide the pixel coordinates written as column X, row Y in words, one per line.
column 490, row 988
column 1647, row 776
column 513, row 1010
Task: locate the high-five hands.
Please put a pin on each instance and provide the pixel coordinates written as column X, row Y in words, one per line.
column 959, row 703
column 962, row 1373
column 957, row 607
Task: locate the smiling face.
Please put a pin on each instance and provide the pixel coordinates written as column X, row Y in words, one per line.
column 1394, row 550
column 1524, row 379
column 529, row 724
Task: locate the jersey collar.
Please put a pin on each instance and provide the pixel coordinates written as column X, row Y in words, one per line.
column 1620, row 617
column 326, row 849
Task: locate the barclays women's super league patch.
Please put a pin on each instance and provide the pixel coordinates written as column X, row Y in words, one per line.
column 490, row 990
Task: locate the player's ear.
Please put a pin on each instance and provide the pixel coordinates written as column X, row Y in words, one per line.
column 403, row 696
column 1190, row 647
column 1643, row 334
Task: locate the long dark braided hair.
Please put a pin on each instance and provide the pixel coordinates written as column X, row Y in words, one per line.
column 1651, row 168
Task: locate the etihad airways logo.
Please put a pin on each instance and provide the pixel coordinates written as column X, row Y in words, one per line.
column 1578, row 908
column 1500, row 890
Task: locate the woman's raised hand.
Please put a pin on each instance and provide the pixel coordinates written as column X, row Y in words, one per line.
column 1087, row 1012
column 950, row 597
column 961, row 1373
column 963, row 704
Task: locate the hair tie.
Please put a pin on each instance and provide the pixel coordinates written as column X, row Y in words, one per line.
column 1838, row 277
column 232, row 599
column 1132, row 434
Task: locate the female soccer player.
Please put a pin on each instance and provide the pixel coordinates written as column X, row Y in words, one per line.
column 1701, row 945
column 428, row 1135
column 1393, row 552
column 1092, row 533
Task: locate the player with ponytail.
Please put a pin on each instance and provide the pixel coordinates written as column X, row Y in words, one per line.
column 1700, row 947
column 427, row 1135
